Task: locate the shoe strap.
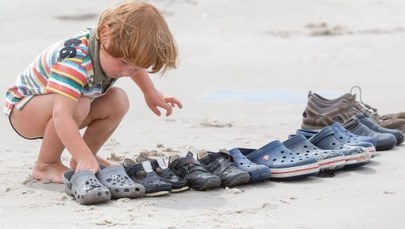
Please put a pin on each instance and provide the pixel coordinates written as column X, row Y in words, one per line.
column 186, row 165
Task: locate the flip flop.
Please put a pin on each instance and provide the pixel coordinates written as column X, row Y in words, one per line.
column 116, row 179
column 85, row 187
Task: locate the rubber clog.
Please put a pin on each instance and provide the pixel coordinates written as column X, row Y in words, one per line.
column 344, row 137
column 258, row 173
column 120, row 184
column 283, row 163
column 85, row 187
column 327, row 159
column 354, row 155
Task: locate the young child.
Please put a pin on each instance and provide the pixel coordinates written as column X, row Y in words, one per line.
column 69, row 86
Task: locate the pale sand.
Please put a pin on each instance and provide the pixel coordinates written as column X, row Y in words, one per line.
column 244, row 73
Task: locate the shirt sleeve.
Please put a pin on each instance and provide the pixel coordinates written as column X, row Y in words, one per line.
column 67, row 78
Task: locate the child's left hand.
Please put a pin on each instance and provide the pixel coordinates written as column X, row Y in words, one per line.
column 155, row 99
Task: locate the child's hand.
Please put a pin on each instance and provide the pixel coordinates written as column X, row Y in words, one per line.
column 155, row 99
column 88, row 164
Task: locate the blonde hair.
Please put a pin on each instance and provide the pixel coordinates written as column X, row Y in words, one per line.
column 140, row 35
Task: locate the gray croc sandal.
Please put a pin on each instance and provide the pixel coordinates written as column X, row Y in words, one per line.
column 116, row 179
column 85, row 187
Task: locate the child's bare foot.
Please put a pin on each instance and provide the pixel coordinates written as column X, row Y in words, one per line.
column 49, row 172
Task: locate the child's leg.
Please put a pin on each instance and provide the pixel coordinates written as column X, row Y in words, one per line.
column 35, row 120
column 105, row 115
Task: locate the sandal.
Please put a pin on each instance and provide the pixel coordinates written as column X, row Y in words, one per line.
column 327, row 159
column 258, row 173
column 85, row 187
column 343, row 136
column 283, row 163
column 354, row 155
column 121, row 186
column 143, row 173
column 162, row 170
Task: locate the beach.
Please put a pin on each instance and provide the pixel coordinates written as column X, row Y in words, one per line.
column 244, row 73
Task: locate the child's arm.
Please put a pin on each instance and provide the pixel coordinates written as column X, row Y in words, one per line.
column 153, row 97
column 67, row 129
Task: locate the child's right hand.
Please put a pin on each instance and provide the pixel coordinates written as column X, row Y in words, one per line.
column 88, row 164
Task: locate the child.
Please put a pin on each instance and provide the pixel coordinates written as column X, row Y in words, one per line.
column 69, row 86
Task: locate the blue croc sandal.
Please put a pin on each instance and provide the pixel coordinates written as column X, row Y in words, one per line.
column 116, row 179
column 258, row 173
column 283, row 163
column 354, row 155
column 85, row 187
column 344, row 137
column 327, row 159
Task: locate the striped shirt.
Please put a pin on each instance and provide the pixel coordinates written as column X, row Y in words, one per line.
column 70, row 67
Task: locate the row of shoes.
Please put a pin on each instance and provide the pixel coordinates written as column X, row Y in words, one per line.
column 305, row 153
column 335, row 134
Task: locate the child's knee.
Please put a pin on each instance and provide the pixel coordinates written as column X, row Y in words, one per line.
column 120, row 103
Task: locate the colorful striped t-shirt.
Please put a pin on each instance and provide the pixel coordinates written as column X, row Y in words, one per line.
column 69, row 67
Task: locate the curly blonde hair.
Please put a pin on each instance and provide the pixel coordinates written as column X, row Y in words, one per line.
column 140, row 35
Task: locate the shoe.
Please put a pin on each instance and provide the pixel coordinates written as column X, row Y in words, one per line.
column 392, row 121
column 374, row 126
column 385, row 141
column 258, row 173
column 121, row 186
column 353, row 137
column 320, row 111
column 85, row 188
column 283, row 163
column 354, row 155
column 222, row 164
column 327, row 159
column 143, row 173
column 197, row 177
column 343, row 136
column 162, row 170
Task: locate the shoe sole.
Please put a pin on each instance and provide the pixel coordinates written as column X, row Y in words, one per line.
column 332, row 163
column 382, row 148
column 295, row 172
column 372, row 151
column 239, row 179
column 160, row 193
column 182, row 189
column 208, row 184
column 357, row 159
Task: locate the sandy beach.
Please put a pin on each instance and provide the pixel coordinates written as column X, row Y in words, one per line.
column 244, row 73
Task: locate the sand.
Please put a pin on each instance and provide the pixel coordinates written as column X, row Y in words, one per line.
column 244, row 73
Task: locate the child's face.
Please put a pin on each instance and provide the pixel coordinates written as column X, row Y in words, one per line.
column 116, row 67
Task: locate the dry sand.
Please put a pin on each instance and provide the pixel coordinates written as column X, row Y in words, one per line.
column 245, row 70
